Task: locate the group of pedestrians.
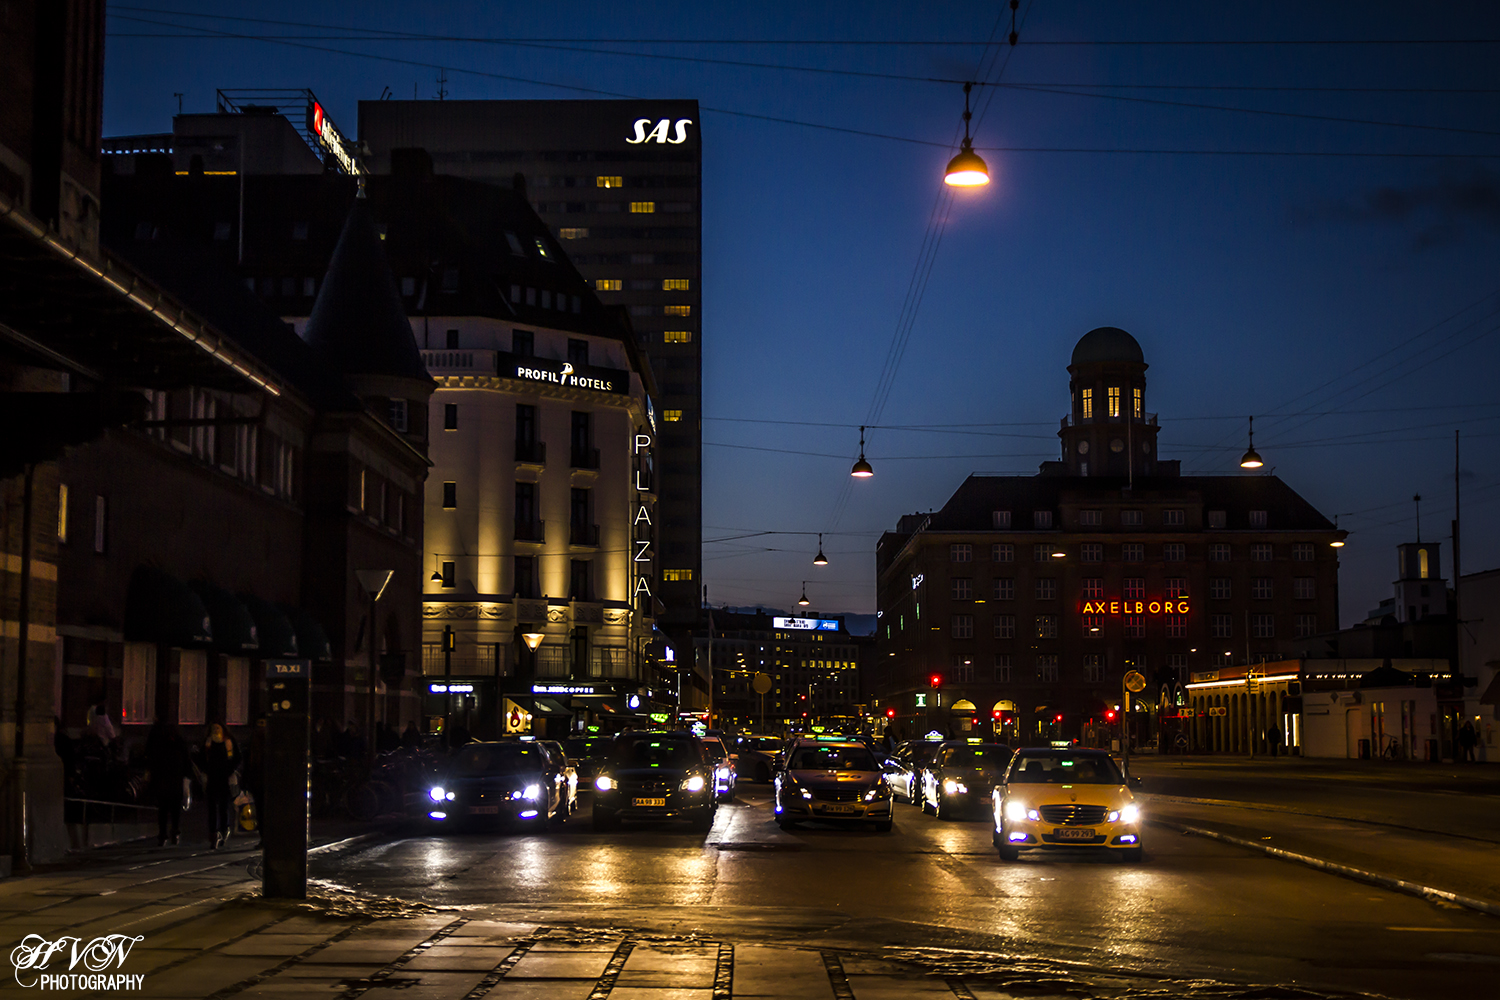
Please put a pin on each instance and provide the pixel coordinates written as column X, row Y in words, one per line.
column 217, row 766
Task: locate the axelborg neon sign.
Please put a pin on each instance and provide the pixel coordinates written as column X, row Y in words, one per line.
column 1176, row 607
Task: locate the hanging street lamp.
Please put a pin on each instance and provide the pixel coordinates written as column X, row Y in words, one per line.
column 967, row 169
column 861, row 468
column 1251, row 459
column 820, row 559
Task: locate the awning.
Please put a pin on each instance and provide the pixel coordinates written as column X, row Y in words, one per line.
column 962, row 705
column 312, row 641
column 546, row 706
column 161, row 608
column 234, row 629
column 1491, row 694
column 277, row 637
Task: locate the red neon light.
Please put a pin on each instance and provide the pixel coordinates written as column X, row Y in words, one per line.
column 1173, row 607
column 317, row 119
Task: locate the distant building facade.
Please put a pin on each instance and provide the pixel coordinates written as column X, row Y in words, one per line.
column 812, row 662
column 1030, row 598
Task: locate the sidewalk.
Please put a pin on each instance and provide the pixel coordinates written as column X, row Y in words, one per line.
column 1412, row 827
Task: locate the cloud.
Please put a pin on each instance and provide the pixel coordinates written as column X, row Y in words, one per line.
column 1442, row 211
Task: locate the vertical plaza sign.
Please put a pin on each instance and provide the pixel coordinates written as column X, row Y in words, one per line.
column 642, row 528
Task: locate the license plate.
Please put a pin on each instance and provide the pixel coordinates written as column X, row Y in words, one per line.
column 841, row 809
column 484, row 810
column 1073, row 833
column 661, row 803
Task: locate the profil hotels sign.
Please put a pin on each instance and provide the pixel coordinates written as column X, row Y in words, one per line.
column 564, row 375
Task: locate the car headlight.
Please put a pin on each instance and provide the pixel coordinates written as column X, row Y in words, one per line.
column 436, row 794
column 805, row 793
column 693, row 784
column 532, row 792
column 952, row 787
column 1015, row 811
column 1130, row 813
column 878, row 792
column 604, row 783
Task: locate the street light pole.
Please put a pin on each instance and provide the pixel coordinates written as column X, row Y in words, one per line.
column 374, row 582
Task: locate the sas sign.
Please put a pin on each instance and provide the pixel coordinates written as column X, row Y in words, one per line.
column 663, row 131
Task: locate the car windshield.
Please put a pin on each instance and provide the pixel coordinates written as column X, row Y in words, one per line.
column 1064, row 770
column 583, row 748
column 766, row 744
column 991, row 757
column 833, row 759
column 490, row 759
column 649, row 752
column 713, row 751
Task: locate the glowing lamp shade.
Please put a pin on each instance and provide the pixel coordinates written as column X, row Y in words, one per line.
column 967, row 169
column 1337, row 543
column 861, row 469
column 1251, row 460
column 533, row 639
column 803, row 599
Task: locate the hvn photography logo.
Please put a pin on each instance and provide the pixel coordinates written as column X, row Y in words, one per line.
column 35, row 955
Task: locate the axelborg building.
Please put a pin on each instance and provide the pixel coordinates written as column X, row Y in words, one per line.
column 1031, row 597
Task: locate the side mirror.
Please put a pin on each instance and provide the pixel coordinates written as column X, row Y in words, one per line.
column 1134, row 783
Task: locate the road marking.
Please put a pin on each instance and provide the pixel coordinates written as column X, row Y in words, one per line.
column 606, row 983
column 1448, row 930
column 836, row 977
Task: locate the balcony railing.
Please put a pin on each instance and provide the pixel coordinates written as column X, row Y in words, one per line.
column 1071, row 420
column 466, row 361
column 469, row 659
column 530, row 531
column 585, row 458
column 531, row 452
column 583, row 534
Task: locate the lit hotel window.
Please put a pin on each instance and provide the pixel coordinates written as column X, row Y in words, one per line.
column 607, row 284
column 574, row 234
column 609, row 182
column 671, row 416
column 1088, row 404
column 677, row 310
column 1114, row 402
column 643, row 207
column 674, row 284
column 676, row 575
column 678, row 336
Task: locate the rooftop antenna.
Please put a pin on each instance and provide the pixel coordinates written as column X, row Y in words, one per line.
column 442, row 82
column 179, row 101
column 1417, row 499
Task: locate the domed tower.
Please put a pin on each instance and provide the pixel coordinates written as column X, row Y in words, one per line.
column 360, row 328
column 1108, row 432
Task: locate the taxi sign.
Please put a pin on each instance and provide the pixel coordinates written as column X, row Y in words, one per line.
column 1135, row 682
column 934, row 735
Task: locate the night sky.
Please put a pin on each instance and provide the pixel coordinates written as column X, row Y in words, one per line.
column 1350, row 302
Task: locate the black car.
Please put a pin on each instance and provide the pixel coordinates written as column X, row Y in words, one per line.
column 508, row 782
column 654, row 775
column 960, row 777
column 757, row 756
column 834, row 782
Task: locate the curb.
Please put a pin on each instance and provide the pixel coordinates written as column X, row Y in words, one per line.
column 1347, row 871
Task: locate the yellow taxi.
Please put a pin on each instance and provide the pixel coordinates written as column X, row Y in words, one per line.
column 1067, row 798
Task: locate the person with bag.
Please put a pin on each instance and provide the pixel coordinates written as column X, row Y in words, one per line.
column 219, row 763
column 167, row 757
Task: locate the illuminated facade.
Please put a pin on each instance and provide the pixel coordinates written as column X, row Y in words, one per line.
column 618, row 183
column 1031, row 597
column 813, row 664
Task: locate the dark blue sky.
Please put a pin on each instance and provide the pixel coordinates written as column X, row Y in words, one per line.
column 1363, row 290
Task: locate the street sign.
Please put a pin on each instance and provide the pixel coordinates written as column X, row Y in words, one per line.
column 761, row 683
column 1135, row 682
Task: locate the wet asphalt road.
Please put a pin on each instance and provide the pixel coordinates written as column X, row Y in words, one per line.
column 1194, row 908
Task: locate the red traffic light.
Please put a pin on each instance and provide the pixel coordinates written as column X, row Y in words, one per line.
column 1058, row 719
column 1109, row 716
column 890, row 713
column 935, row 681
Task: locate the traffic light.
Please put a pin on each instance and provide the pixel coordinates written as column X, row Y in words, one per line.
column 1109, row 715
column 935, row 681
column 890, row 713
column 1059, row 717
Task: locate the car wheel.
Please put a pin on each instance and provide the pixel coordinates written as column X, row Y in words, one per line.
column 785, row 822
column 704, row 819
column 1133, row 855
column 885, row 827
column 942, row 810
column 1008, row 853
column 927, row 806
column 605, row 820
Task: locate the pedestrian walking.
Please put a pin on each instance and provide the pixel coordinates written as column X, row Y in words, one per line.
column 1468, row 739
column 167, row 757
column 1273, row 739
column 219, row 762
